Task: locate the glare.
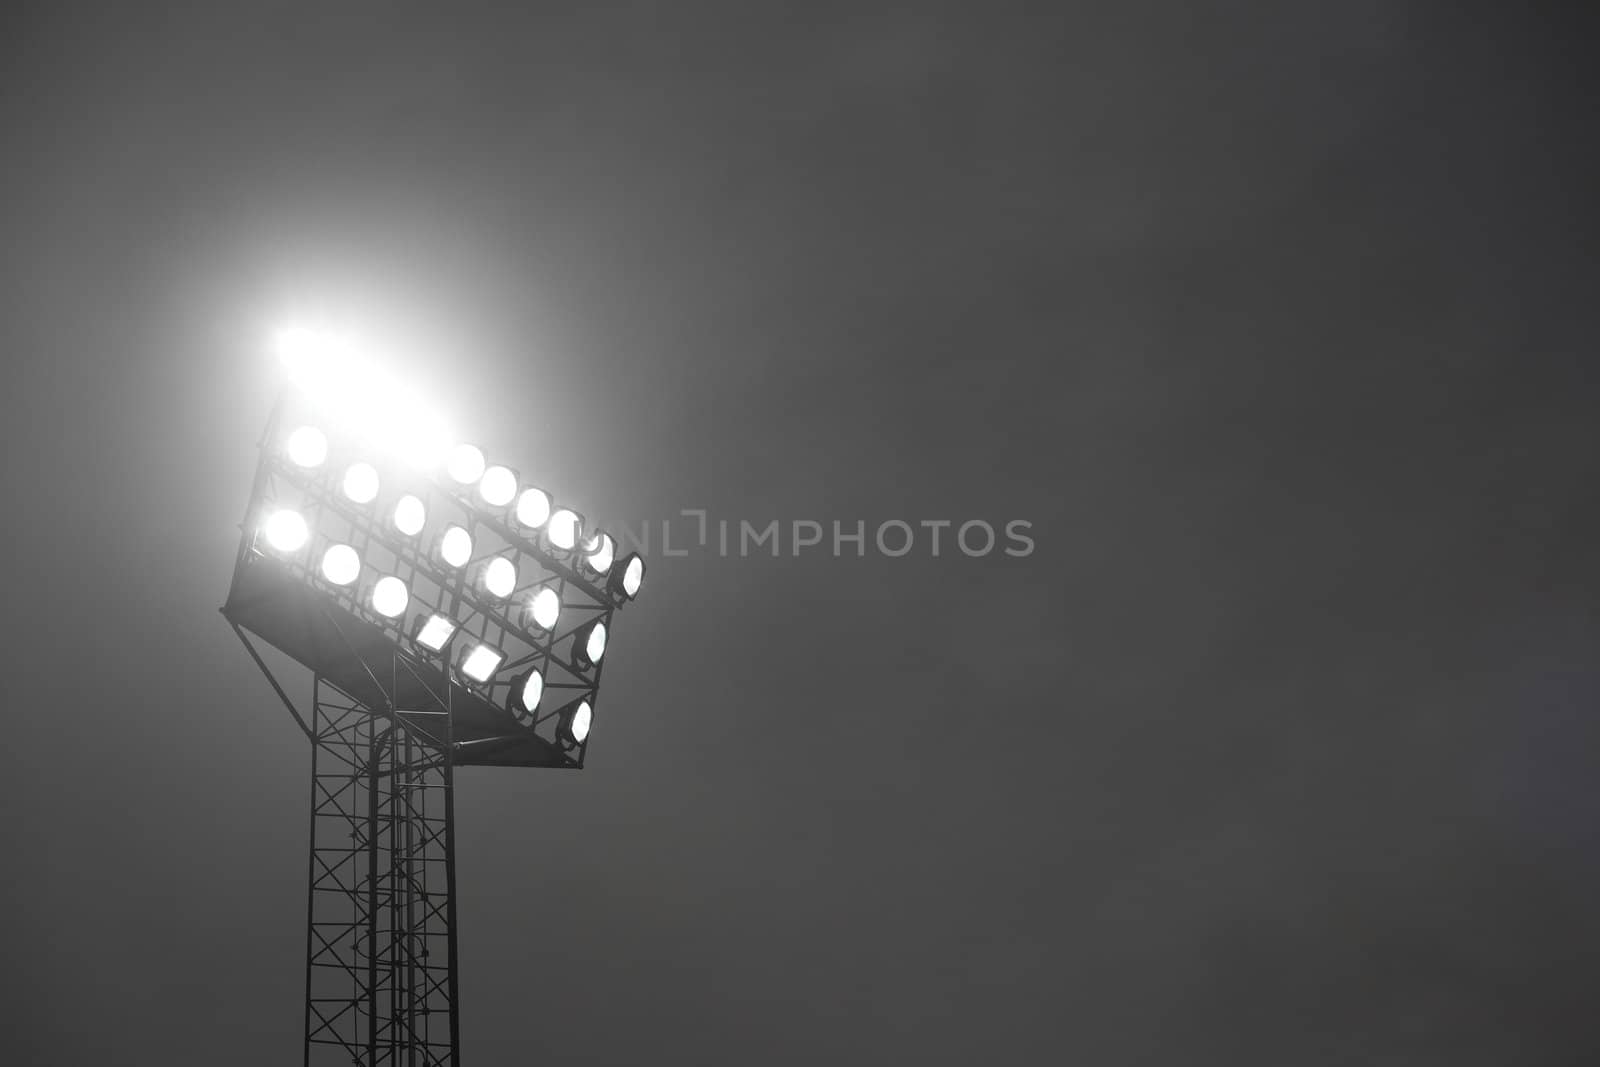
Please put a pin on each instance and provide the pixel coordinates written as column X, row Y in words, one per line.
column 335, row 368
column 418, row 437
column 481, row 663
column 410, row 516
column 285, row 530
column 435, row 632
column 533, row 507
column 341, row 565
column 563, row 528
column 466, row 464
column 389, row 596
column 594, row 646
column 307, row 447
column 600, row 551
column 340, row 372
column 500, row 577
column 361, row 483
column 320, row 362
column 633, row 577
column 398, row 421
column 497, row 487
column 532, row 690
column 455, row 547
column 581, row 718
column 546, row 608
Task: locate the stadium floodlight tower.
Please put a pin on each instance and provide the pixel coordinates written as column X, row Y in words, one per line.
column 449, row 615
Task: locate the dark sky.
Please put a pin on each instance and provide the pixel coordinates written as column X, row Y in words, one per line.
column 1281, row 748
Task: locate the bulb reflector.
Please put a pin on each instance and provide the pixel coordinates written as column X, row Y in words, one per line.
column 307, row 447
column 546, row 608
column 563, row 528
column 341, row 565
column 594, row 646
column 455, row 547
column 600, row 551
column 497, row 486
column 286, row 530
column 410, row 515
column 435, row 632
column 500, row 577
column 481, row 663
column 389, row 596
column 361, row 483
column 532, row 690
column 533, row 507
column 633, row 577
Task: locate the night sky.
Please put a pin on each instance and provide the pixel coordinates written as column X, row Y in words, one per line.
column 1282, row 746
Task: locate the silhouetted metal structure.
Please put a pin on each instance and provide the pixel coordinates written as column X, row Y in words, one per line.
column 390, row 719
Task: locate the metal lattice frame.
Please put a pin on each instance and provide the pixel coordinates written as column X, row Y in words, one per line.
column 381, row 930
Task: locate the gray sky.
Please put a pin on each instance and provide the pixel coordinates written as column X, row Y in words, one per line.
column 1272, row 320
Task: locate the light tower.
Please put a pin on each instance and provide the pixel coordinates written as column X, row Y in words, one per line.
column 450, row 614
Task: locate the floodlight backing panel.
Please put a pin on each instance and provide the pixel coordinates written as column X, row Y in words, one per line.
column 362, row 660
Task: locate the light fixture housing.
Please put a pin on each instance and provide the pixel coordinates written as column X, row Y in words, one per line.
column 599, row 552
column 589, row 643
column 479, row 663
column 627, row 578
column 533, row 508
column 340, row 564
column 498, row 486
column 390, row 597
column 500, row 577
column 455, row 546
column 286, row 530
column 435, row 631
column 575, row 720
column 361, row 483
column 561, row 530
column 527, row 689
column 544, row 608
column 410, row 515
column 307, row 447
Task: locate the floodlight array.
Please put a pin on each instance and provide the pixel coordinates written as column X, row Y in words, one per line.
column 465, row 566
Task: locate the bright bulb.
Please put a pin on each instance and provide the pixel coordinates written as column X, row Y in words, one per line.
column 500, row 577
column 532, row 690
column 389, row 596
column 581, row 719
column 410, row 515
column 286, row 530
column 466, row 464
column 600, row 552
column 546, row 608
column 633, row 577
column 497, row 487
column 455, row 547
column 361, row 483
column 595, row 645
column 307, row 447
column 435, row 632
column 533, row 507
column 341, row 565
column 481, row 663
column 563, row 529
